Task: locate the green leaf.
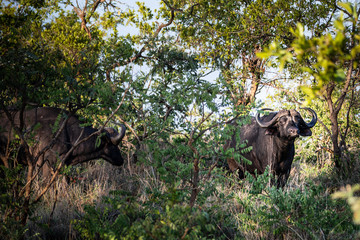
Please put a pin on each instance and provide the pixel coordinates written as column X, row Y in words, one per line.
column 348, row 7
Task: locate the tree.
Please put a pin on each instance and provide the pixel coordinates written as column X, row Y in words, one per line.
column 227, row 36
column 332, row 62
column 77, row 60
column 48, row 59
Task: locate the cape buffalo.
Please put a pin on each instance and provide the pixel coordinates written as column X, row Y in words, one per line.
column 272, row 140
column 39, row 128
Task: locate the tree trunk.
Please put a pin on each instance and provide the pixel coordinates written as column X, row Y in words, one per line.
column 26, row 206
column 195, row 183
column 337, row 154
column 254, row 70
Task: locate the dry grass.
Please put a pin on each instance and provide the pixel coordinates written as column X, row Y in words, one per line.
column 89, row 182
column 65, row 202
column 302, row 175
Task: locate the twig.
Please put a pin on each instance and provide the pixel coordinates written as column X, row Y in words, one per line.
column 140, row 52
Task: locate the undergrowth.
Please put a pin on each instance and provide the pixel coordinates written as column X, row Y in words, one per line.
column 108, row 208
column 106, row 202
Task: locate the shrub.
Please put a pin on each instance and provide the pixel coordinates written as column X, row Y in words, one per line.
column 11, row 203
column 306, row 213
column 120, row 216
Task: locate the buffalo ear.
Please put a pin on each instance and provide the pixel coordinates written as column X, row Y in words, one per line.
column 270, row 131
column 305, row 132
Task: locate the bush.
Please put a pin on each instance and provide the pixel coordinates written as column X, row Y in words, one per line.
column 306, row 213
column 11, row 204
column 120, row 216
column 251, row 210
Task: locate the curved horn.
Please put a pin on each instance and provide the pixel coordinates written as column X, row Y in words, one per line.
column 119, row 136
column 314, row 117
column 265, row 124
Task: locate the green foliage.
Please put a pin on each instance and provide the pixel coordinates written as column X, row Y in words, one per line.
column 162, row 216
column 224, row 30
column 11, row 203
column 349, row 194
column 307, row 212
column 26, row 62
column 329, row 55
column 227, row 35
column 51, row 60
column 176, row 116
column 259, row 182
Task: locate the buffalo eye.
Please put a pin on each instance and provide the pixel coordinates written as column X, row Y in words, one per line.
column 283, row 120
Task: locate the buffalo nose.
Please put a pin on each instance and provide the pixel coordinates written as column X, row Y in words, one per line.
column 294, row 131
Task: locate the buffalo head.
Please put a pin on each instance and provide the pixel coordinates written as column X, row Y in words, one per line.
column 286, row 124
column 110, row 149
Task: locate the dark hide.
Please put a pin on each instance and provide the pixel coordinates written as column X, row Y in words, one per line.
column 272, row 145
column 39, row 131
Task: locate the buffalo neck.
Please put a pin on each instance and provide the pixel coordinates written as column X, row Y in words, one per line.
column 283, row 144
column 285, row 150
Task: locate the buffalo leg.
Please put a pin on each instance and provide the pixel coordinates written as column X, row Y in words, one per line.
column 282, row 179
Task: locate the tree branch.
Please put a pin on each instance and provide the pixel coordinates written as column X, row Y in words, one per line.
column 142, row 50
column 340, row 101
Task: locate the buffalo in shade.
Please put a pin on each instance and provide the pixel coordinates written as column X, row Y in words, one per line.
column 272, row 140
column 40, row 125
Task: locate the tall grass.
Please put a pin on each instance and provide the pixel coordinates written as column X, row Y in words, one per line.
column 65, row 201
column 248, row 209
